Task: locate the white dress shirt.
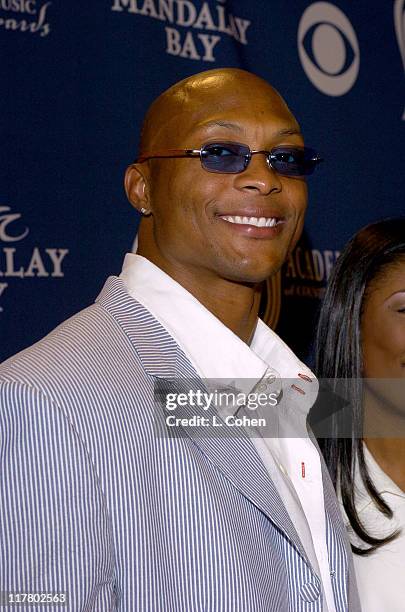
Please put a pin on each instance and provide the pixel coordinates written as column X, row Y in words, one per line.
column 381, row 575
column 218, row 354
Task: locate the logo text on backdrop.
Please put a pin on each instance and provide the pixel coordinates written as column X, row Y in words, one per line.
column 189, row 43
column 35, row 262
column 25, row 16
column 306, row 272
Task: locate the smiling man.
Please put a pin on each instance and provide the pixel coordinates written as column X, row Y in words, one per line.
column 218, row 230
column 103, row 498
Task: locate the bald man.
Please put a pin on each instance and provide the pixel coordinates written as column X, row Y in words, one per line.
column 128, row 482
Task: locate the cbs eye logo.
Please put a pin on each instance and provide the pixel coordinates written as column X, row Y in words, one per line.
column 328, row 48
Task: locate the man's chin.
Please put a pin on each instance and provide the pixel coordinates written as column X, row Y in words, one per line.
column 253, row 274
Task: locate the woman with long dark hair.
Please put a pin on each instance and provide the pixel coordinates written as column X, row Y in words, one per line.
column 361, row 337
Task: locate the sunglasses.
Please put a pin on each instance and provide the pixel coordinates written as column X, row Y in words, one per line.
column 233, row 158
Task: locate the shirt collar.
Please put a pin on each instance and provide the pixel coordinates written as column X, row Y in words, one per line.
column 216, row 353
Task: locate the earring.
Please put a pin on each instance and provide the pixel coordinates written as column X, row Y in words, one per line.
column 145, row 212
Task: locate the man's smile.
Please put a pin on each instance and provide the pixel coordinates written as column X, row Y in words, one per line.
column 255, row 221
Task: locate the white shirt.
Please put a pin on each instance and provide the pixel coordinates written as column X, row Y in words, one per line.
column 381, row 575
column 218, row 354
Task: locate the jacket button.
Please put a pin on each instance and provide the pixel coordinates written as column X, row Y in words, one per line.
column 310, row 591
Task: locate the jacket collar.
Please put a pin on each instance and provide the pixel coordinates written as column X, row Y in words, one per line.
column 233, row 455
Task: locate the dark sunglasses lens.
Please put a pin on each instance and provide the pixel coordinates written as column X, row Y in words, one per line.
column 291, row 161
column 225, row 157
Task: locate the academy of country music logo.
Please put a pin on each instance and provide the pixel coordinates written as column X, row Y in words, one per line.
column 328, row 48
column 17, row 263
column 190, row 25
column 399, row 23
column 29, row 16
column 304, row 275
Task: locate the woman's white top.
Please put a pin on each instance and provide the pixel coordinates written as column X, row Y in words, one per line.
column 381, row 575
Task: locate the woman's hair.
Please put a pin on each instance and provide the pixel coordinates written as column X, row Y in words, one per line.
column 339, row 355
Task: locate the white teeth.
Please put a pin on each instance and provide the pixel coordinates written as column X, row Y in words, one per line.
column 256, row 221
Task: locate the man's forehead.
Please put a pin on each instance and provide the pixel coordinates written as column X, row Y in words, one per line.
column 279, row 127
column 240, row 121
column 184, row 130
column 226, row 100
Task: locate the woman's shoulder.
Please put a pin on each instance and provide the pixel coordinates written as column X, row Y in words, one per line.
column 375, row 522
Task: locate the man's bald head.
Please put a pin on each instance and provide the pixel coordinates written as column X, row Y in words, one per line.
column 181, row 106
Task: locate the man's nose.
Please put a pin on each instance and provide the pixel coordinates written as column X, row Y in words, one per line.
column 259, row 176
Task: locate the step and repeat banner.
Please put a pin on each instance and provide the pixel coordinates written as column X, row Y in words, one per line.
column 77, row 80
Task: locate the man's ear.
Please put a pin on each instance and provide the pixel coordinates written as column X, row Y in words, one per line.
column 136, row 189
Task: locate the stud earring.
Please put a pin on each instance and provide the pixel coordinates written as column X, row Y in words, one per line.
column 145, row 212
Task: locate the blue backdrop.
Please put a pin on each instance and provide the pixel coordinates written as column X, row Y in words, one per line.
column 77, row 79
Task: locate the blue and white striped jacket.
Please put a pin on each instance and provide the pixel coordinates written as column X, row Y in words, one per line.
column 94, row 503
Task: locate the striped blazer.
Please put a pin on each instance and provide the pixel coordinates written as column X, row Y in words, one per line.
column 95, row 503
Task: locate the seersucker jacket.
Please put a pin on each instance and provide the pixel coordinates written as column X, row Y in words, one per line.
column 97, row 504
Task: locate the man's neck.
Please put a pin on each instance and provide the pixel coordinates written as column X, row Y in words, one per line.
column 235, row 304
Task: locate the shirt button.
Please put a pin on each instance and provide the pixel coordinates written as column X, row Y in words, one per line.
column 270, row 382
column 310, row 591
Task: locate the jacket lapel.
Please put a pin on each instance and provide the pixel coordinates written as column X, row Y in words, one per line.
column 233, row 454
